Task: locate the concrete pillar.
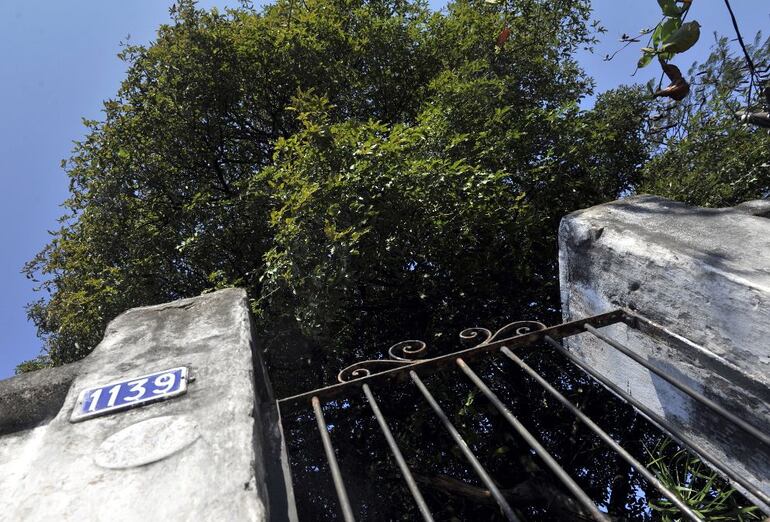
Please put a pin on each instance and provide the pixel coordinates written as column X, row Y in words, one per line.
column 207, row 454
column 703, row 274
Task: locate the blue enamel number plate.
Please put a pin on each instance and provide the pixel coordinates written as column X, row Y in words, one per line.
column 129, row 393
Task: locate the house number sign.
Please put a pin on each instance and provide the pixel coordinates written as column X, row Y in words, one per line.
column 129, row 393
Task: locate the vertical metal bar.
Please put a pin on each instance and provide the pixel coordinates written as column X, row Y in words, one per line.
column 562, row 475
column 757, row 433
column 603, row 435
column 661, row 422
column 410, row 482
column 477, row 467
column 283, row 504
column 342, row 494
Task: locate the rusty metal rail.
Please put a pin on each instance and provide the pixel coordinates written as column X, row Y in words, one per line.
column 405, row 362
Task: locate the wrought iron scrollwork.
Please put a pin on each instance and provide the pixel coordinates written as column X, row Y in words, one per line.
column 508, row 331
column 402, row 353
column 409, row 352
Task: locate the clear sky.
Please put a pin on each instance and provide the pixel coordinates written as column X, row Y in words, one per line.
column 58, row 62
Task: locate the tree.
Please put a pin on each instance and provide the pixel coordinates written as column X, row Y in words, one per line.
column 290, row 150
column 161, row 205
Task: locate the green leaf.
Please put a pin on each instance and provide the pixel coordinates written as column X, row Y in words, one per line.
column 682, row 39
column 645, row 60
column 670, row 8
column 664, row 30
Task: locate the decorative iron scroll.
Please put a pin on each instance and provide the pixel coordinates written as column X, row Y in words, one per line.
column 402, row 353
column 409, row 352
column 508, row 331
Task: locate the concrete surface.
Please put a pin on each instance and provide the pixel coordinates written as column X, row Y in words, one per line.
column 32, row 398
column 199, row 456
column 703, row 274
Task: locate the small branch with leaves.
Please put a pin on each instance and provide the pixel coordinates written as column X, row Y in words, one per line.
column 671, row 36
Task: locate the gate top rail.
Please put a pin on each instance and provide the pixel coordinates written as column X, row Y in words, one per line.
column 400, row 365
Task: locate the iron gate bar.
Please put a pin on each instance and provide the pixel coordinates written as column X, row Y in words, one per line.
column 562, row 475
column 526, row 333
column 620, row 450
column 662, row 423
column 410, row 482
column 758, row 434
column 558, row 332
column 339, row 485
column 477, row 467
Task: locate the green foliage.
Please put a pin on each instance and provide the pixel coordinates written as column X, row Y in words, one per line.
column 670, row 8
column 364, row 169
column 698, row 486
column 160, row 206
column 665, row 30
column 38, row 363
column 707, row 156
column 680, row 40
column 670, row 36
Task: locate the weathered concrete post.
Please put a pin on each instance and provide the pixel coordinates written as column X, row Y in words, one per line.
column 703, row 274
column 207, row 452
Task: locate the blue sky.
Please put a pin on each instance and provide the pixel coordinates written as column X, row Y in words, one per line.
column 58, row 62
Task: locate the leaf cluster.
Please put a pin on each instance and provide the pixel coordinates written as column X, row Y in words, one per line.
column 671, row 36
column 698, row 486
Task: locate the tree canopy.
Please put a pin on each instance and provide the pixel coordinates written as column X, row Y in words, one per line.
column 364, row 169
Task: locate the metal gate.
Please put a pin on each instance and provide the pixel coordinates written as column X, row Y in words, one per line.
column 407, row 362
